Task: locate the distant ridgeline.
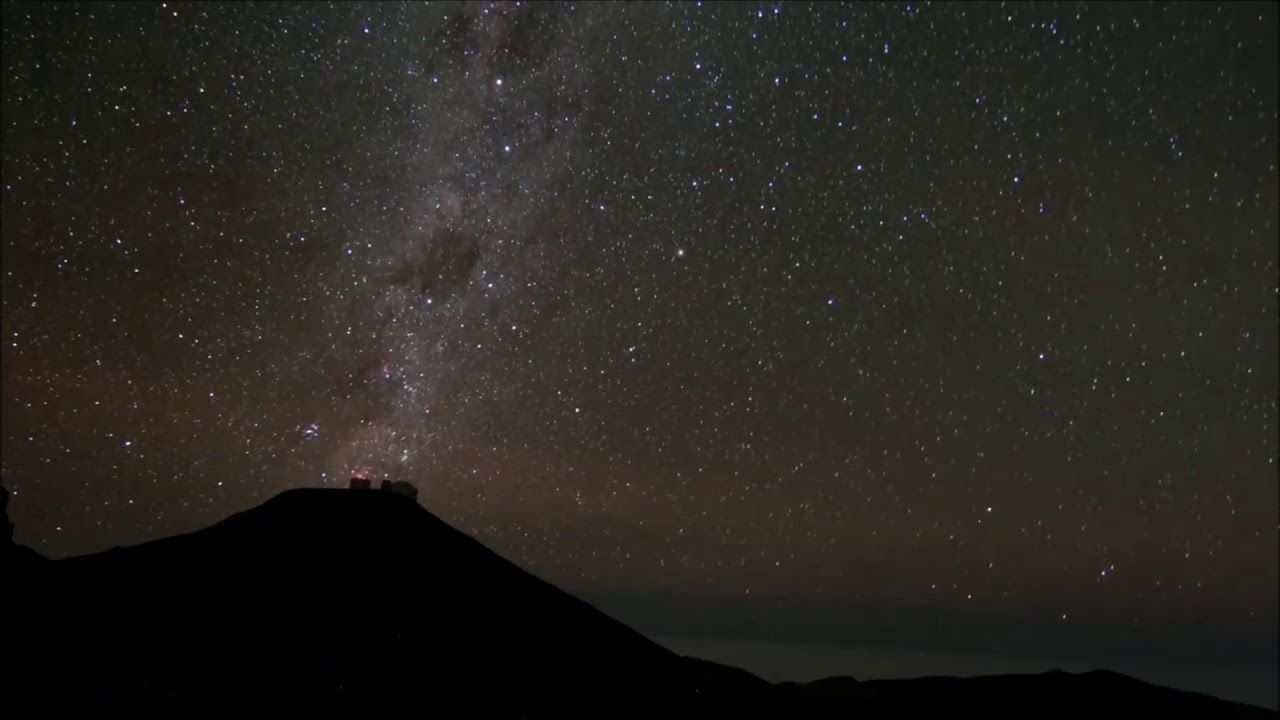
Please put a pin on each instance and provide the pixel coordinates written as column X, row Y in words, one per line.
column 398, row 487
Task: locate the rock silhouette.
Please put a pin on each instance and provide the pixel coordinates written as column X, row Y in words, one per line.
column 13, row 557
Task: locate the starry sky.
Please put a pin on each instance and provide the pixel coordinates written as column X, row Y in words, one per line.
column 966, row 308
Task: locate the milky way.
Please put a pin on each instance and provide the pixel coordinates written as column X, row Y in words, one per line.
column 494, row 103
column 969, row 308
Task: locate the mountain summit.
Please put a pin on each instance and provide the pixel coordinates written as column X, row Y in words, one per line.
column 341, row 596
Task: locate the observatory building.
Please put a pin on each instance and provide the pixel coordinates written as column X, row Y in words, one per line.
column 398, row 487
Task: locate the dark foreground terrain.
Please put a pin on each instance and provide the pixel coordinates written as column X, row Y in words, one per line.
column 363, row 602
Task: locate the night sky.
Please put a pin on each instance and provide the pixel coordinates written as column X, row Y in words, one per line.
column 962, row 311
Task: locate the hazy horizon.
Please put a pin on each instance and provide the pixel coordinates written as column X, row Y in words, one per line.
column 805, row 662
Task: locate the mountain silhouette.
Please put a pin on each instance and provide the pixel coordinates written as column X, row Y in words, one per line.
column 1054, row 694
column 364, row 602
column 340, row 596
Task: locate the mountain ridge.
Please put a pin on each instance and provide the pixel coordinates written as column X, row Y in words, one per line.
column 364, row 599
